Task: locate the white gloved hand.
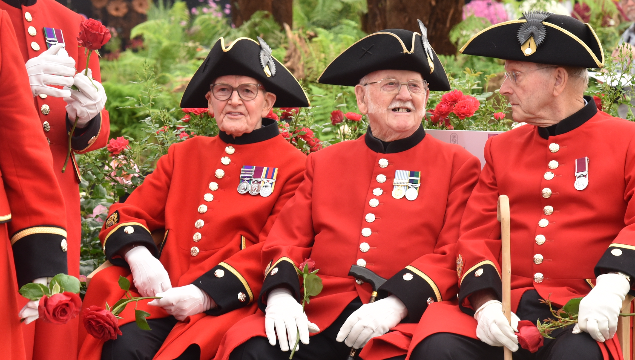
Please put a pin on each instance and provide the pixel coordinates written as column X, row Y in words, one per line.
column 493, row 328
column 148, row 274
column 370, row 320
column 600, row 309
column 30, row 311
column 284, row 316
column 88, row 101
column 52, row 67
column 184, row 301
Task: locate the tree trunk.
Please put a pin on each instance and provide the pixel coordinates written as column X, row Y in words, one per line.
column 282, row 10
column 439, row 16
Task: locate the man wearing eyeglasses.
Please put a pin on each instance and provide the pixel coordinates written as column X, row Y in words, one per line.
column 390, row 202
column 570, row 178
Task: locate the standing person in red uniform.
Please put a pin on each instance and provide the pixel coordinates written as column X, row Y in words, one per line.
column 32, row 231
column 390, row 201
column 217, row 199
column 40, row 24
column 570, row 178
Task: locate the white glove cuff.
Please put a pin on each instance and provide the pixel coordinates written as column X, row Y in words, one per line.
column 616, row 282
column 137, row 251
column 477, row 314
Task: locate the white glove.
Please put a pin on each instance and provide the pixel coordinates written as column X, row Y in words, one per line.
column 370, row 320
column 493, row 327
column 184, row 301
column 30, row 311
column 148, row 274
column 600, row 309
column 52, row 67
column 284, row 316
column 88, row 101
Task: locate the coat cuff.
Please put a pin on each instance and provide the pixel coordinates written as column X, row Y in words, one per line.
column 618, row 258
column 39, row 251
column 414, row 288
column 85, row 137
column 481, row 276
column 281, row 274
column 227, row 287
column 125, row 234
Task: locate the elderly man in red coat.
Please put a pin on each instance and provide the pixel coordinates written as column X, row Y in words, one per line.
column 570, row 177
column 390, row 201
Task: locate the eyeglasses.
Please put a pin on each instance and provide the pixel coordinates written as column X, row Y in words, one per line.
column 223, row 92
column 513, row 76
column 393, row 86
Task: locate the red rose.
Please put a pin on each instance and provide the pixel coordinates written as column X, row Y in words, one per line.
column 183, row 136
column 337, row 116
column 186, row 118
column 466, row 107
column 353, row 116
column 92, row 34
column 101, row 323
column 59, row 308
column 528, row 336
column 499, row 115
column 452, row 97
column 288, row 112
column 165, row 128
column 598, row 102
column 195, row 111
column 309, row 262
column 272, row 115
column 443, row 109
column 116, row 146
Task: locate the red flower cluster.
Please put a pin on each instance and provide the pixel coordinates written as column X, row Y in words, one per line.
column 59, row 308
column 454, row 102
column 195, row 111
column 272, row 115
column 598, row 102
column 499, row 115
column 337, row 116
column 289, row 112
column 183, row 136
column 284, row 130
column 186, row 118
column 116, row 146
column 92, row 34
column 529, row 337
column 101, row 323
column 165, row 128
column 309, row 137
column 353, row 116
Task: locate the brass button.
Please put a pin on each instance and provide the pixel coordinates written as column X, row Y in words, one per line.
column 213, row 186
column 274, row 271
column 543, row 223
column 219, row 173
column 370, row 217
column 35, row 46
column 553, row 147
column 548, row 210
column 199, row 223
column 197, row 237
column 546, row 193
column 478, row 272
column 373, row 202
column 361, row 262
column 383, row 163
column 616, row 252
column 46, row 126
column 366, row 232
column 553, row 164
column 43, row 96
column 202, row 209
column 430, row 300
column 128, row 230
column 364, row 247
column 540, row 239
column 408, row 276
column 230, row 150
column 538, row 277
column 377, row 191
column 45, row 109
column 225, row 160
column 381, row 178
column 359, row 282
column 28, row 17
column 219, row 273
column 538, row 259
column 64, row 245
column 242, row 297
column 208, row 197
column 92, row 140
column 549, row 175
column 194, row 251
column 31, row 30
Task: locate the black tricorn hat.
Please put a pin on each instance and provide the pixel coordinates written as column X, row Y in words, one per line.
column 540, row 37
column 391, row 49
column 245, row 57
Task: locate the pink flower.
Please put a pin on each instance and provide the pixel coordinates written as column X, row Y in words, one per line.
column 116, row 146
column 353, row 116
column 125, row 177
column 98, row 210
column 499, row 115
column 337, row 116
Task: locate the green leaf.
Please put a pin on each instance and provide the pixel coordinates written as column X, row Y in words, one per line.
column 124, row 283
column 572, row 307
column 55, row 288
column 67, row 283
column 118, row 303
column 313, row 285
column 140, row 318
column 34, row 291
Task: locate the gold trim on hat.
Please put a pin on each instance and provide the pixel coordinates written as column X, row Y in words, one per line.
column 599, row 42
column 38, row 230
column 597, row 62
column 231, row 45
column 489, row 28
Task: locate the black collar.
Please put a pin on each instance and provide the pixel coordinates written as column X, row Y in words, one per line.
column 572, row 122
column 19, row 3
column 396, row 146
column 269, row 130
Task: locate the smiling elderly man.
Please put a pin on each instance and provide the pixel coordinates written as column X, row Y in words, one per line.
column 390, row 201
column 570, row 177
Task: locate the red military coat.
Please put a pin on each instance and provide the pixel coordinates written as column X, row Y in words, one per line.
column 32, row 232
column 343, row 214
column 213, row 234
column 561, row 237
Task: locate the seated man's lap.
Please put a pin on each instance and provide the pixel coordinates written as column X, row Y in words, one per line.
column 138, row 344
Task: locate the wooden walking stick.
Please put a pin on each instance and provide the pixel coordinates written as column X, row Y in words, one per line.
column 504, row 218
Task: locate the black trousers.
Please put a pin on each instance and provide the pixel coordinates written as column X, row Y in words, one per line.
column 565, row 346
column 321, row 347
column 137, row 344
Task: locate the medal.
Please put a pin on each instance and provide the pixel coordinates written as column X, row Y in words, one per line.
column 268, row 182
column 399, row 184
column 246, row 174
column 581, row 173
column 256, row 181
column 53, row 36
column 414, row 182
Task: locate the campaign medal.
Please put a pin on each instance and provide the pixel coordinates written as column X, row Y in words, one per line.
column 254, row 189
column 268, row 181
column 581, row 173
column 400, row 184
column 414, row 181
column 53, row 36
column 246, row 174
